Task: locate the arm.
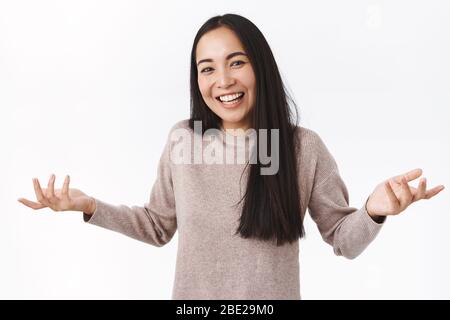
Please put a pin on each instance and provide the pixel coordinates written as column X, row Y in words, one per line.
column 348, row 230
column 154, row 223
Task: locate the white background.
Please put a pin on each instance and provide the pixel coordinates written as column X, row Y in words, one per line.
column 91, row 88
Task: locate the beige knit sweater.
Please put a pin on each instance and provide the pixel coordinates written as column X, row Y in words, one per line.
column 198, row 200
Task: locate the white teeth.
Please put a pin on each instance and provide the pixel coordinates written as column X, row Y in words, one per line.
column 230, row 97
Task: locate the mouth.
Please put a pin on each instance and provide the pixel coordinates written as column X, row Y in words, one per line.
column 231, row 100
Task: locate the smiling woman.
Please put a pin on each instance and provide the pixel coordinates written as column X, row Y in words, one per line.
column 238, row 228
column 232, row 61
column 226, row 78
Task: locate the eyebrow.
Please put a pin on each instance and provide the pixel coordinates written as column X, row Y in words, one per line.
column 231, row 55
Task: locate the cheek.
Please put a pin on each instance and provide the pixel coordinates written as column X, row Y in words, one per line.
column 248, row 79
column 250, row 82
column 204, row 88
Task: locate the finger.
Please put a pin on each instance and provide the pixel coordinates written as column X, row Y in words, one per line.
column 39, row 194
column 31, row 204
column 409, row 176
column 432, row 192
column 51, row 189
column 65, row 189
column 406, row 196
column 421, row 190
column 391, row 195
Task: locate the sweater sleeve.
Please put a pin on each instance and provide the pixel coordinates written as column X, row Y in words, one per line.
column 348, row 230
column 154, row 223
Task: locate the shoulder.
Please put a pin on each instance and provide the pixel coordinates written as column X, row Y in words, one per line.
column 313, row 150
column 305, row 132
column 181, row 124
column 180, row 128
column 308, row 139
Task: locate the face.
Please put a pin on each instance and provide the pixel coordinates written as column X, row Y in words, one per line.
column 225, row 77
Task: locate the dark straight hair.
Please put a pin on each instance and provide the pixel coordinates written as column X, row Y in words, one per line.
column 271, row 209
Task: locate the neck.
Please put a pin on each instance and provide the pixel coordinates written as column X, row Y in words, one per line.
column 235, row 128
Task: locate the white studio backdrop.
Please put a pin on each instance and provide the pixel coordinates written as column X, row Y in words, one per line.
column 91, row 88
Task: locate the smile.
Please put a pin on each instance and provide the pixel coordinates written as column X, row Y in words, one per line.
column 230, row 100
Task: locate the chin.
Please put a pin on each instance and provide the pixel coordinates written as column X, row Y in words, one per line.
column 232, row 117
column 237, row 119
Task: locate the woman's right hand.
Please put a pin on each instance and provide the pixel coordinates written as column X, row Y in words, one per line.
column 64, row 199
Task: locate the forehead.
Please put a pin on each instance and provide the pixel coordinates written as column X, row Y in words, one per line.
column 218, row 43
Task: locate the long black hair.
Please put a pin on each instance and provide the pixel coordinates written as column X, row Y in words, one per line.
column 271, row 209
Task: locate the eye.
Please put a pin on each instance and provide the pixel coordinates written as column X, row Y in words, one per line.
column 241, row 62
column 206, row 70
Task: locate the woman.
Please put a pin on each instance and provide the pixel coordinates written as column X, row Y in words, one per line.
column 239, row 222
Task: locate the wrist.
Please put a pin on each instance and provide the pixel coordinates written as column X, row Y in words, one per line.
column 374, row 217
column 91, row 206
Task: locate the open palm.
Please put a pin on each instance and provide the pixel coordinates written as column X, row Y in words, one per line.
column 65, row 199
column 394, row 195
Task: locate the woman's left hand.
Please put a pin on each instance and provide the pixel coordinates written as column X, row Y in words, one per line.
column 395, row 195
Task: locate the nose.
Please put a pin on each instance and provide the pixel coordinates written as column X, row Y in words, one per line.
column 225, row 80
